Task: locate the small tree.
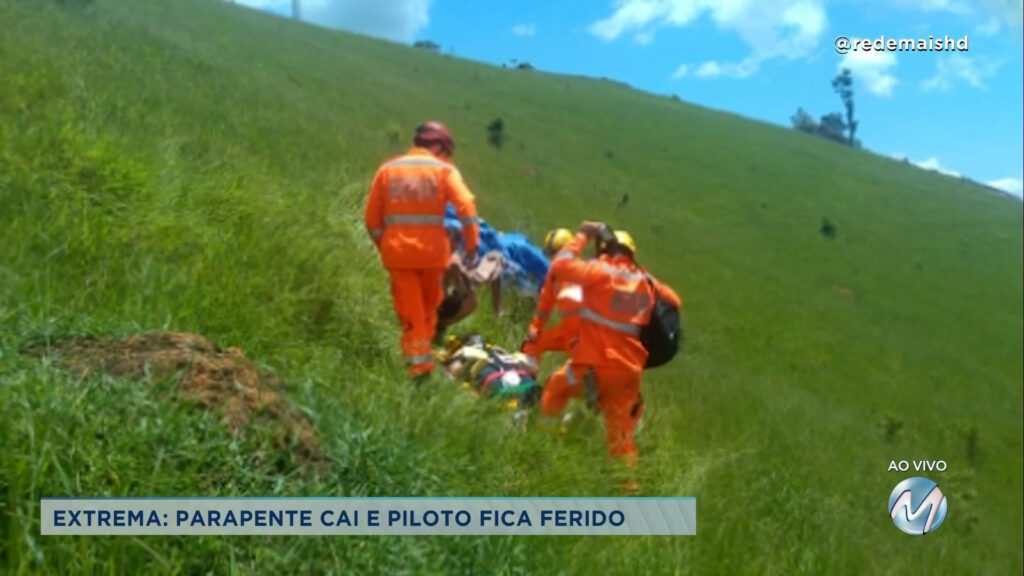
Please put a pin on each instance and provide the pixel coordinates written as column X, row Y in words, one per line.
column 832, row 127
column 804, row 122
column 843, row 85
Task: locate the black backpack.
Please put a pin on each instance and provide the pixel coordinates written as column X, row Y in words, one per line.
column 663, row 334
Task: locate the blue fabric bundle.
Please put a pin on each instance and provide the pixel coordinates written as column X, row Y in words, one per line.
column 526, row 266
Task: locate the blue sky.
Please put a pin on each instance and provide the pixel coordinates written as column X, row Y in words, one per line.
column 960, row 112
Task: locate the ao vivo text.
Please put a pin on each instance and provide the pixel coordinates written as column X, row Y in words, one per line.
column 918, row 465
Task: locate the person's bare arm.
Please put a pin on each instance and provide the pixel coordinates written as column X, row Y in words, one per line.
column 496, row 296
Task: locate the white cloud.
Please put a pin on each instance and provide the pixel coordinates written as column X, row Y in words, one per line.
column 1006, row 10
column 873, row 70
column 629, row 15
column 644, row 38
column 789, row 29
column 524, row 29
column 681, row 71
column 396, row 20
column 932, row 163
column 995, row 14
column 1014, row 186
column 958, row 68
column 715, row 69
column 771, row 28
column 952, row 6
column 710, row 69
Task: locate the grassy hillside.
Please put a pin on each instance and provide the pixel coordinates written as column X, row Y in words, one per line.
column 192, row 166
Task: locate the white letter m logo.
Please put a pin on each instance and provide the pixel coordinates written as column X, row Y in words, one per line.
column 912, row 518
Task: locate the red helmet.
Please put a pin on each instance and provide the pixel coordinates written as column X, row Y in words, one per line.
column 434, row 133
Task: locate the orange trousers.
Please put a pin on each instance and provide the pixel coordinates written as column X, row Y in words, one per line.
column 618, row 399
column 416, row 295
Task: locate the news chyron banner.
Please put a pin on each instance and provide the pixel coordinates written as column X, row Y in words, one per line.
column 368, row 516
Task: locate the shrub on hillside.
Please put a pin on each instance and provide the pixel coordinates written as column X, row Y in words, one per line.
column 427, row 45
column 828, row 229
column 496, row 132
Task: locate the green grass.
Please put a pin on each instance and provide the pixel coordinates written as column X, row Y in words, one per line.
column 192, row 166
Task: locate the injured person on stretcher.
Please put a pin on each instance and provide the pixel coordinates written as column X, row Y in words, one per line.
column 489, row 371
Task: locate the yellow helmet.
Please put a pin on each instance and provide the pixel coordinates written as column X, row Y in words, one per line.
column 622, row 239
column 626, row 239
column 555, row 239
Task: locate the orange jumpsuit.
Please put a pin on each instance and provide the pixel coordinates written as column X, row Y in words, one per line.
column 405, row 218
column 617, row 302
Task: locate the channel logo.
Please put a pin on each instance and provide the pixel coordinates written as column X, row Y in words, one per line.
column 917, row 506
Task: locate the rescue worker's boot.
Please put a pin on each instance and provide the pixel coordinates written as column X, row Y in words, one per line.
column 439, row 333
column 566, row 422
column 421, row 376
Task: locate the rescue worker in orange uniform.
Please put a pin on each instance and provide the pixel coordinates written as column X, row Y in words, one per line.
column 607, row 358
column 564, row 297
column 405, row 218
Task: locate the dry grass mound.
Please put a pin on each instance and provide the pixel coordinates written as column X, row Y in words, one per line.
column 216, row 378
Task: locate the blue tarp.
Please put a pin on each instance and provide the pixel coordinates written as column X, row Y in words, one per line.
column 526, row 266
